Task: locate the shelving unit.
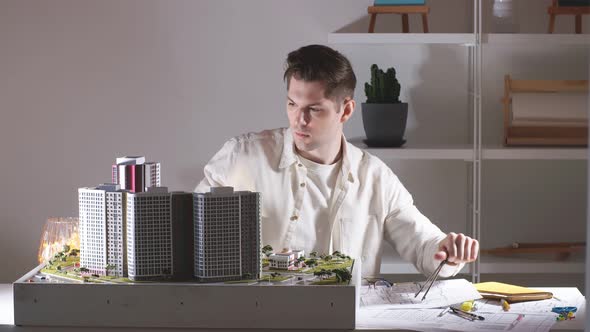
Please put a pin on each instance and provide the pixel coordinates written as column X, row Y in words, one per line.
column 465, row 152
column 460, row 39
column 476, row 152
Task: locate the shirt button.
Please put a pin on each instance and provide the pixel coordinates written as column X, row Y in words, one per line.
column 293, row 218
column 300, row 165
column 302, row 185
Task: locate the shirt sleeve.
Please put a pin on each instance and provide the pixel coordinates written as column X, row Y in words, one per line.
column 413, row 235
column 217, row 169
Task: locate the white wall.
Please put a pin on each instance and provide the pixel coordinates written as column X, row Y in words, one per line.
column 82, row 82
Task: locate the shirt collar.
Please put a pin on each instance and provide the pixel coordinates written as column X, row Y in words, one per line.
column 288, row 156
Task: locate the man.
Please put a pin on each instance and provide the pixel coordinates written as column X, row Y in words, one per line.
column 319, row 192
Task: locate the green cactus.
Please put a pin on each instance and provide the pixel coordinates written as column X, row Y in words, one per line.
column 384, row 87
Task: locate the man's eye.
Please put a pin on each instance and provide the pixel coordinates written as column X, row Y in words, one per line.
column 291, row 104
column 314, row 110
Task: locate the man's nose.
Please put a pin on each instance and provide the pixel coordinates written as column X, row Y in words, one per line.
column 303, row 117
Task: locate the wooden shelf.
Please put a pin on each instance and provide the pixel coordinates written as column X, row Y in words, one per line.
column 418, row 152
column 540, row 39
column 496, row 264
column 465, row 39
column 533, row 153
column 465, row 152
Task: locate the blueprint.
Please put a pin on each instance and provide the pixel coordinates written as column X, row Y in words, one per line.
column 525, row 316
column 432, row 320
column 402, row 295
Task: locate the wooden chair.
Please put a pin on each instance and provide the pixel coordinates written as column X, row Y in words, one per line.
column 555, row 10
column 404, row 11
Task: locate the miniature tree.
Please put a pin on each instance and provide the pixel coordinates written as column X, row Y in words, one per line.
column 267, row 250
column 66, row 248
column 342, row 274
column 328, row 258
column 313, row 254
column 300, row 260
column 319, row 273
column 84, row 270
column 322, row 273
column 110, row 267
column 311, row 262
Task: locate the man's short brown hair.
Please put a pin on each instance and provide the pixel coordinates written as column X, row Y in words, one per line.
column 320, row 63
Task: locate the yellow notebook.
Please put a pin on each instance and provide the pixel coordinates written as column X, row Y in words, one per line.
column 510, row 293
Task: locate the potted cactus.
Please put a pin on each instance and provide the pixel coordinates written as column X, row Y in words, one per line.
column 384, row 115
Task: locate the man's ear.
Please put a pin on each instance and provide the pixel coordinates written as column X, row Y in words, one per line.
column 347, row 110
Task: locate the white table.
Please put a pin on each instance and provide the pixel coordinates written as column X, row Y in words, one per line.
column 7, row 319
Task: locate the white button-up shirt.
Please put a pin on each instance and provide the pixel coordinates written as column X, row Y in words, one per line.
column 368, row 204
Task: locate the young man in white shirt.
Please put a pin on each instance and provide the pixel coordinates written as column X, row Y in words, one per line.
column 319, row 192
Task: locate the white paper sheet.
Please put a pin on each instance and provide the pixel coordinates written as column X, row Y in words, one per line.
column 442, row 293
column 429, row 320
column 535, row 316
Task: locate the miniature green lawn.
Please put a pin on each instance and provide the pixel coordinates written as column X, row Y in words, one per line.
column 275, row 279
column 328, row 281
column 65, row 269
column 331, row 265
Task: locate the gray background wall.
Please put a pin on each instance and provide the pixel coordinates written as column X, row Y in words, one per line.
column 82, row 82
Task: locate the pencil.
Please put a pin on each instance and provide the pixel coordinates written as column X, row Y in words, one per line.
column 505, row 305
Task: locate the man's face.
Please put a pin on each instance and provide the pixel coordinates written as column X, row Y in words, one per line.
column 315, row 120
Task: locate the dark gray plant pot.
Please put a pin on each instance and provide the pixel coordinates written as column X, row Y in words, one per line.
column 385, row 124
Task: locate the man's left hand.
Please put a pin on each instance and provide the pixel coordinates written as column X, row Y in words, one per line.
column 457, row 249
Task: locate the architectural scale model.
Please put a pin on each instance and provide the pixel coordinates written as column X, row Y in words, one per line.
column 136, row 230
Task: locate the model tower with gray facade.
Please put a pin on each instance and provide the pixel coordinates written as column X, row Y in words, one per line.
column 227, row 235
column 149, row 235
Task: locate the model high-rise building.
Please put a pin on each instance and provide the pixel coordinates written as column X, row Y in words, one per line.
column 93, row 212
column 227, row 234
column 116, row 233
column 134, row 174
column 149, row 234
column 182, row 235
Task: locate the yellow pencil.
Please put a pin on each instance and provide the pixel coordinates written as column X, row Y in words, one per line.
column 505, row 305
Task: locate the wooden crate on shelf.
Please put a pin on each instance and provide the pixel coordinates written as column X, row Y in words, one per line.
column 542, row 135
